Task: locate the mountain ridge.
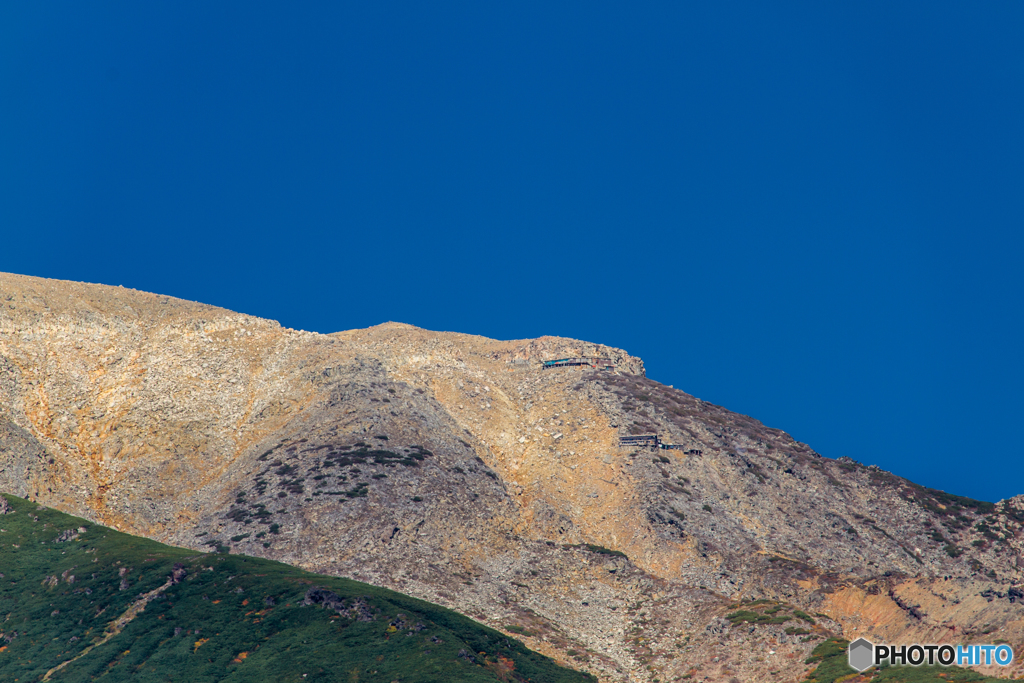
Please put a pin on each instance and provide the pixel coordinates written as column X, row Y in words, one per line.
column 173, row 419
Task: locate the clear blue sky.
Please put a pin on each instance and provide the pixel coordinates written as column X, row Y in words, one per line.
column 810, row 212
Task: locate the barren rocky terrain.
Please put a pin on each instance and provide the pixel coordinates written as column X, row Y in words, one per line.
column 456, row 469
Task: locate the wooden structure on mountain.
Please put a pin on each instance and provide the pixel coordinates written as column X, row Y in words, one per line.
column 592, row 361
column 653, row 441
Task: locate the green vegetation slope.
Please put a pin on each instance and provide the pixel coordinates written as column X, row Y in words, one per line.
column 82, row 602
column 831, row 658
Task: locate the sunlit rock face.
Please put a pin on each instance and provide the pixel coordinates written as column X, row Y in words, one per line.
column 458, row 469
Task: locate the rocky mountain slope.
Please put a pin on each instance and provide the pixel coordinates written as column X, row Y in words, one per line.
column 454, row 468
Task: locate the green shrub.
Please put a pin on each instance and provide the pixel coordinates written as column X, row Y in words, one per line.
column 803, row 615
column 830, row 656
column 751, row 617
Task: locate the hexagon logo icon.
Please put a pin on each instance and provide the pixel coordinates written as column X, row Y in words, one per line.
column 861, row 654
